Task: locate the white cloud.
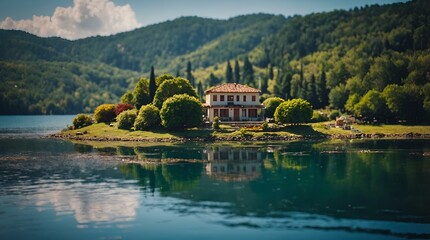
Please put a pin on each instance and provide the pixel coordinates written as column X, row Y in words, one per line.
column 85, row 18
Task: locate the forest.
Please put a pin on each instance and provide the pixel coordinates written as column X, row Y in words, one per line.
column 372, row 62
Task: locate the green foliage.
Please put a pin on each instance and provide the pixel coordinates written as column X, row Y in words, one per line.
column 82, row 120
column 270, row 105
column 215, row 123
column 105, row 113
column 128, row 98
column 265, row 126
column 229, row 73
column 372, row 106
column 318, row 116
column 148, row 118
column 351, row 102
column 334, row 114
column 159, row 80
column 405, row 102
column 141, row 93
column 152, row 85
column 293, row 111
column 181, row 111
column 338, row 97
column 169, row 88
column 248, row 72
column 125, row 119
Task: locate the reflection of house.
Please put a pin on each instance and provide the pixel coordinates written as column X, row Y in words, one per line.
column 229, row 164
column 233, row 102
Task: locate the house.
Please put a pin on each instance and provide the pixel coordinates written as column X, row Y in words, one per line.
column 233, row 102
column 344, row 122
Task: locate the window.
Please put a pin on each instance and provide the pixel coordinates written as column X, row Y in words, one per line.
column 230, row 98
column 243, row 112
column 216, row 113
column 215, row 98
column 252, row 113
column 253, row 98
column 244, row 98
column 237, row 98
column 222, row 98
column 224, row 113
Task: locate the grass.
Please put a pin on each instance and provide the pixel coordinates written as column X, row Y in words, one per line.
column 102, row 130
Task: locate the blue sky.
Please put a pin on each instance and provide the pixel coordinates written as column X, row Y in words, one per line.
column 148, row 12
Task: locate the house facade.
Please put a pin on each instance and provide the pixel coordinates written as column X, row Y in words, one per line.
column 233, row 102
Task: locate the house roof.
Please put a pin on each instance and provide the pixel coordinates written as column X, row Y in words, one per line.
column 232, row 88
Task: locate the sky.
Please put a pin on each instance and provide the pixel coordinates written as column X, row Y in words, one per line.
column 74, row 19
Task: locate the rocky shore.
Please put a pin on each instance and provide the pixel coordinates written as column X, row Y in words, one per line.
column 245, row 138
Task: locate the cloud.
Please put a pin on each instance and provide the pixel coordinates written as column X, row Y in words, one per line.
column 85, row 18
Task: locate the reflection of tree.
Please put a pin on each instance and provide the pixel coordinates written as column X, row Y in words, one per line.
column 164, row 177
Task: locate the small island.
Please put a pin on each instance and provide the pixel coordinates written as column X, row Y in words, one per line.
column 168, row 109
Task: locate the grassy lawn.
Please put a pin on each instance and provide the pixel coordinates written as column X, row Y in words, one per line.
column 102, row 130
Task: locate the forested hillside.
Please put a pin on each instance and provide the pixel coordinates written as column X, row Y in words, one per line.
column 373, row 62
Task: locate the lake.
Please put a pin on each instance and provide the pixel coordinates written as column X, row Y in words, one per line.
column 360, row 189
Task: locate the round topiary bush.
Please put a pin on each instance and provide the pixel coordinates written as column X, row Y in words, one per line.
column 126, row 119
column 270, row 105
column 105, row 113
column 82, row 120
column 293, row 111
column 181, row 111
column 149, row 117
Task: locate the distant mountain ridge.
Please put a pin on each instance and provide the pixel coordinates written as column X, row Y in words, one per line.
column 54, row 75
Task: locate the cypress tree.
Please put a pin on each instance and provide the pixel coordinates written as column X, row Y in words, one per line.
column 322, row 91
column 236, row 72
column 248, row 72
column 229, row 73
column 286, row 86
column 312, row 93
column 189, row 74
column 152, row 85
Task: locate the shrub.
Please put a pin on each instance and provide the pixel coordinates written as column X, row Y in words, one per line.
column 121, row 107
column 265, row 126
column 215, row 123
column 270, row 106
column 293, row 111
column 318, row 116
column 334, row 114
column 181, row 111
column 82, row 120
column 149, row 117
column 126, row 119
column 105, row 113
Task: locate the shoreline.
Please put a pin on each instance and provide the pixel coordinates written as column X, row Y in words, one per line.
column 263, row 138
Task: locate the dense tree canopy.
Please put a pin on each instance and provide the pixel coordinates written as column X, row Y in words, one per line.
column 171, row 87
column 293, row 111
column 181, row 111
column 270, row 105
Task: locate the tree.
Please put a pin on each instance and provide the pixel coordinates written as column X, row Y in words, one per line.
column 152, row 85
column 248, row 72
column 82, row 120
column 190, row 76
column 141, row 92
column 229, row 73
column 271, row 75
column 125, row 120
column 160, row 79
column 148, row 118
column 181, row 111
column 405, row 102
column 213, row 81
column 105, row 113
column 351, row 102
column 293, row 111
column 171, row 87
column 372, row 107
column 270, row 106
column 338, row 97
column 200, row 90
column 322, row 91
column 127, row 98
column 312, row 91
column 236, row 72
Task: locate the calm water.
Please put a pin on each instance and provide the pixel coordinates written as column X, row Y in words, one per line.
column 54, row 189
